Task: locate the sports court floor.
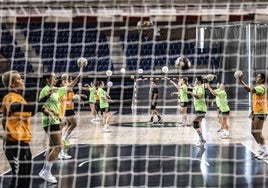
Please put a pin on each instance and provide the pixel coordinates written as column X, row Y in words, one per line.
column 138, row 154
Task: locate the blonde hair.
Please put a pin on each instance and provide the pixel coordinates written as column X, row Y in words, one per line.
column 7, row 77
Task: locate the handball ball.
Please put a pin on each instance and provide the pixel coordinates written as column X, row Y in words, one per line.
column 76, row 98
column 110, row 84
column 132, row 77
column 238, row 73
column 109, row 73
column 210, row 77
column 165, row 69
column 82, row 62
column 140, row 71
column 183, row 63
column 123, row 70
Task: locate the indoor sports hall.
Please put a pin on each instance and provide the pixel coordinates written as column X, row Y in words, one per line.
column 181, row 85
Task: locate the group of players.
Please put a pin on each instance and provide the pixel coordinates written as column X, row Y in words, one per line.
column 17, row 114
column 57, row 107
column 197, row 91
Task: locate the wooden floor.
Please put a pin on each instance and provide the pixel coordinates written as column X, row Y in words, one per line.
column 91, row 133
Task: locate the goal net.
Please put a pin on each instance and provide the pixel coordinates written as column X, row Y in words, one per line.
column 127, row 43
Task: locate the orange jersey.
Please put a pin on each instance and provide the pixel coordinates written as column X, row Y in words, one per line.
column 97, row 96
column 63, row 101
column 69, row 100
column 17, row 125
column 259, row 100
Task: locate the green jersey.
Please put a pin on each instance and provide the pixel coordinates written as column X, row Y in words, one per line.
column 53, row 103
column 200, row 103
column 103, row 99
column 217, row 98
column 221, row 97
column 92, row 95
column 183, row 93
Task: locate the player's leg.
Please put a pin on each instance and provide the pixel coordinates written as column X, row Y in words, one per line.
column 256, row 131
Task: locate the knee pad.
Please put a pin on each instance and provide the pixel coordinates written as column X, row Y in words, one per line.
column 196, row 124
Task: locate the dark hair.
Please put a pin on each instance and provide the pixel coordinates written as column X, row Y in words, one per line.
column 199, row 78
column 154, row 81
column 47, row 76
column 263, row 77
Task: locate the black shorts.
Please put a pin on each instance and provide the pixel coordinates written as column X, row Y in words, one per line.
column 184, row 104
column 225, row 113
column 259, row 116
column 153, row 106
column 200, row 113
column 69, row 112
column 104, row 110
column 97, row 106
column 52, row 128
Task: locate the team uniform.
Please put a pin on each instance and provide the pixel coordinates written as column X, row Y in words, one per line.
column 154, row 92
column 17, row 137
column 224, row 109
column 154, row 97
column 200, row 111
column 69, row 104
column 104, row 104
column 92, row 95
column 184, row 96
column 97, row 98
column 259, row 103
column 51, row 123
column 92, row 102
column 259, row 111
column 53, row 103
column 105, row 109
column 200, row 104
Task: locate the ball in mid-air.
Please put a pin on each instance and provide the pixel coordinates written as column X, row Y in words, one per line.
column 82, row 62
column 165, row 69
column 183, row 63
column 123, row 70
column 109, row 73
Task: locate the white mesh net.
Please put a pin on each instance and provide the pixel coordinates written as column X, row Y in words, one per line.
column 134, row 40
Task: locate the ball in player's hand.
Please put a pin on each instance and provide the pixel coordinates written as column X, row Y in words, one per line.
column 110, row 84
column 109, row 73
column 210, row 77
column 238, row 74
column 183, row 63
column 82, row 62
column 132, row 77
column 76, row 98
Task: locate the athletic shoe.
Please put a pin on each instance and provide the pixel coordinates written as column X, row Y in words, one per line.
column 66, row 142
column 106, row 130
column 64, row 156
column 48, row 177
column 224, row 135
column 94, row 119
column 200, row 143
column 220, row 130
